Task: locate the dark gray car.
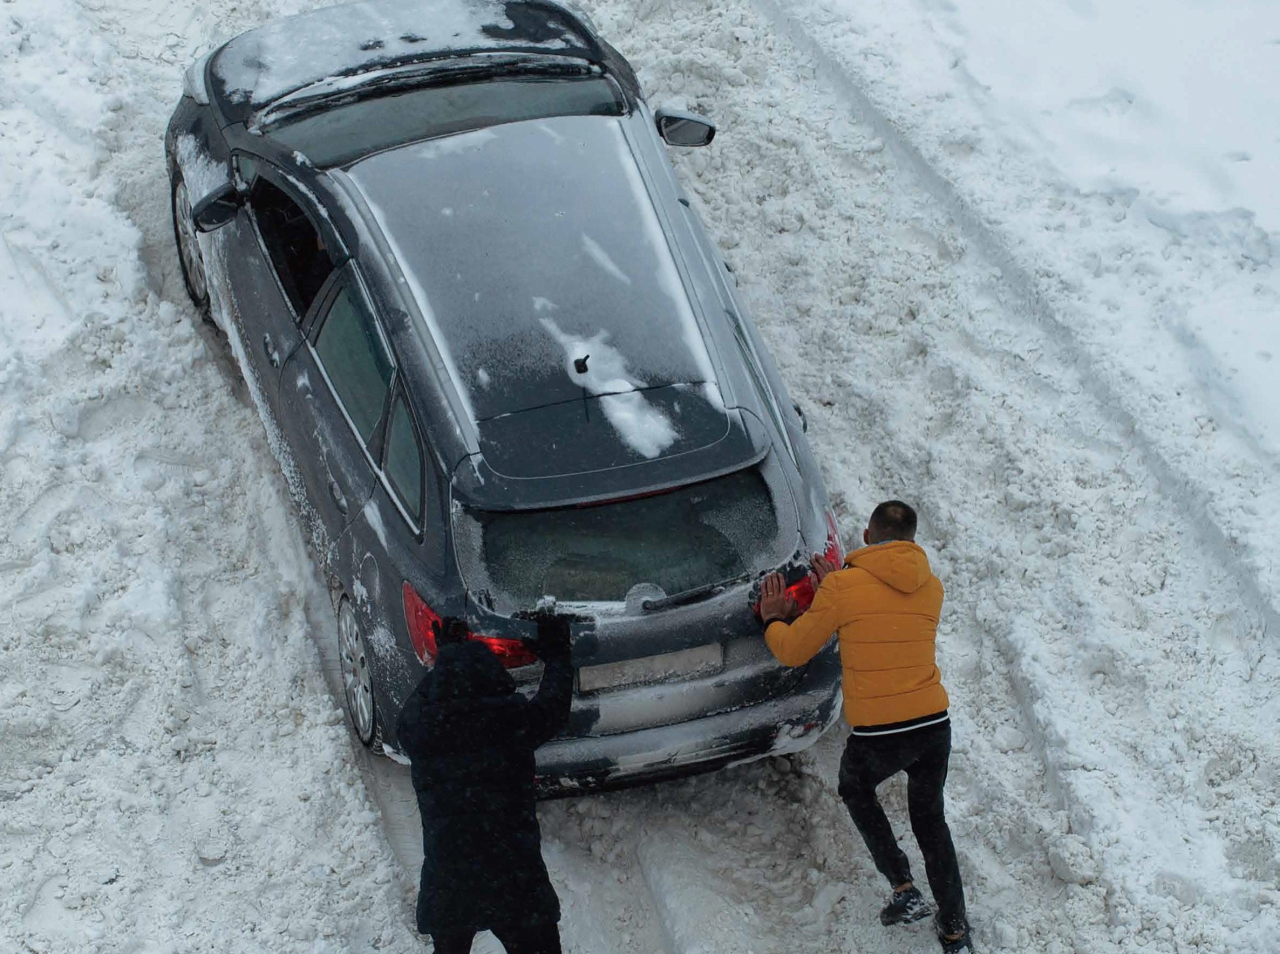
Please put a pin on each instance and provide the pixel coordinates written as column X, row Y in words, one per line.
column 499, row 360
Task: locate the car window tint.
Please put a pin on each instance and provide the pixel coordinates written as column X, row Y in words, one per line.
column 343, row 133
column 702, row 534
column 295, row 247
column 356, row 362
column 403, row 463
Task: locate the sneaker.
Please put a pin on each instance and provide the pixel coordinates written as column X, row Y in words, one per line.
column 954, row 945
column 906, row 906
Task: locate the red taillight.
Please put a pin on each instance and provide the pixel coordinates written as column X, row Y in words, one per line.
column 421, row 619
column 802, row 591
column 512, row 653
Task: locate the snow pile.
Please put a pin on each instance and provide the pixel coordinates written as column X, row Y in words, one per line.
column 1130, row 159
column 173, row 769
column 1174, row 105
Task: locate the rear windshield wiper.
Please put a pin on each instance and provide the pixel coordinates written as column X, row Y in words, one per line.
column 685, row 597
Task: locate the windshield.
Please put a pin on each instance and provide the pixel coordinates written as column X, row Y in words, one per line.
column 338, row 134
column 706, row 533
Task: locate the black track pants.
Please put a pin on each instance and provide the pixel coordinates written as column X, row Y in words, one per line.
column 923, row 755
column 535, row 939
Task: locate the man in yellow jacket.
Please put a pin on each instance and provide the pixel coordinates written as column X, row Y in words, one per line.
column 884, row 603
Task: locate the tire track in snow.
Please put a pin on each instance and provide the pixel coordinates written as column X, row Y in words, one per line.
column 790, row 187
column 997, row 431
column 1026, row 298
column 1237, row 636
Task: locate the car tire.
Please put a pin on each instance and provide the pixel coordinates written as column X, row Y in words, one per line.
column 191, row 260
column 357, row 678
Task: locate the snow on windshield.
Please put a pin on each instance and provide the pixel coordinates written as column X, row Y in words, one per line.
column 643, row 427
column 667, row 278
column 297, row 51
column 424, row 307
column 601, row 258
column 528, row 237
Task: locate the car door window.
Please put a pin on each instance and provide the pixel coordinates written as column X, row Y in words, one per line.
column 403, row 463
column 296, row 249
column 355, row 360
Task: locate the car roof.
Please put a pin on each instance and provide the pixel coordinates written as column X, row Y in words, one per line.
column 286, row 55
column 529, row 246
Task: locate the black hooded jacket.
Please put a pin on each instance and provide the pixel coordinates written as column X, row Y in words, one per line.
column 471, row 738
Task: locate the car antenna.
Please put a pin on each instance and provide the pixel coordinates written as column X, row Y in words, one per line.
column 580, row 364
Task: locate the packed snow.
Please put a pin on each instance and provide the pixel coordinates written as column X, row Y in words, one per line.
column 640, row 425
column 1037, row 309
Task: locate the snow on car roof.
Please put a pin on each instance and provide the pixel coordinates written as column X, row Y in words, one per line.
column 532, row 245
column 288, row 54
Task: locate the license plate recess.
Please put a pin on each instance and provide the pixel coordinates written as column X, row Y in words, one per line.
column 665, row 667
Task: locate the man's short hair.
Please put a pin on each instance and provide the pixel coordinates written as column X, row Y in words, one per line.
column 893, row 520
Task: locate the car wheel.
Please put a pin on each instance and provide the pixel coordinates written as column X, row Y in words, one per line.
column 357, row 680
column 194, row 275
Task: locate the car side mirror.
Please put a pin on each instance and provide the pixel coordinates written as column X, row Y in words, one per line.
column 684, row 129
column 217, row 208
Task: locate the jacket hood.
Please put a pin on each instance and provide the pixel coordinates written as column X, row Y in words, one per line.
column 899, row 563
column 467, row 671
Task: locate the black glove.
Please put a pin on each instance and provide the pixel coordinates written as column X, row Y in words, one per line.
column 553, row 642
column 449, row 631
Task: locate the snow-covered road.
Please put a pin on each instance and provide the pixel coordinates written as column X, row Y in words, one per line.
column 962, row 329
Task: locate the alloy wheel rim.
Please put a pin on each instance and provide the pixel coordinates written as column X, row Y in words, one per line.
column 357, row 684
column 188, row 246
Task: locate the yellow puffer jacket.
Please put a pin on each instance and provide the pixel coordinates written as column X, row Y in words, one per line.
column 885, row 604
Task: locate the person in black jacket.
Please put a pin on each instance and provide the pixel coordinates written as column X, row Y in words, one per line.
column 470, row 737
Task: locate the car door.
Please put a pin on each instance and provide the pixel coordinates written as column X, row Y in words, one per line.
column 332, row 402
column 396, row 540
column 278, row 269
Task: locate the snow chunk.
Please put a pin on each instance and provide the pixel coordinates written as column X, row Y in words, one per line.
column 643, row 427
column 1009, row 739
column 1071, row 860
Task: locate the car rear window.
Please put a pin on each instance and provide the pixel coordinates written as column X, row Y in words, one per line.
column 706, row 533
column 342, row 134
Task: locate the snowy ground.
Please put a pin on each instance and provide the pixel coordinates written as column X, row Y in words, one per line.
column 1043, row 308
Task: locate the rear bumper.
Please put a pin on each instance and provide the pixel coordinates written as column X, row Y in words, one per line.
column 788, row 723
